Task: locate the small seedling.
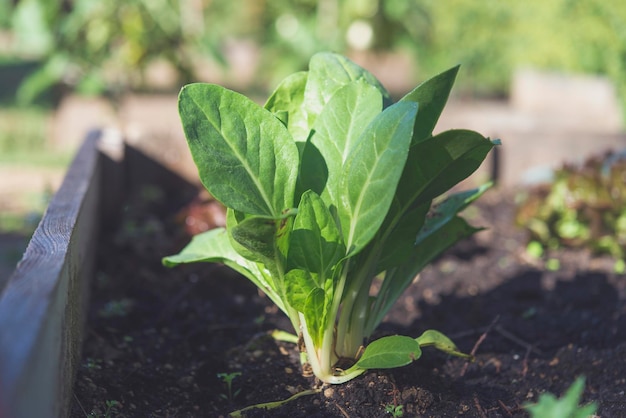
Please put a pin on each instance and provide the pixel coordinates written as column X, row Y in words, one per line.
column 330, row 188
column 228, row 378
column 566, row 407
column 396, row 411
column 116, row 308
column 111, row 407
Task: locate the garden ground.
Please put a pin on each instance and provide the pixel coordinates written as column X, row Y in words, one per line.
column 157, row 339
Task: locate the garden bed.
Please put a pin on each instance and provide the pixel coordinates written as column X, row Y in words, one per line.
column 157, row 339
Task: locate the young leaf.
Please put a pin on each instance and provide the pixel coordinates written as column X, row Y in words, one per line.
column 286, row 103
column 338, row 127
column 566, row 407
column 328, row 72
column 372, row 172
column 245, row 156
column 389, row 352
column 313, row 174
column 432, row 96
column 257, row 235
column 315, row 243
column 315, row 314
column 432, row 338
column 298, row 285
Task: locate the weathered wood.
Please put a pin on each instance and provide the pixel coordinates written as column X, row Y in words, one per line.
column 41, row 306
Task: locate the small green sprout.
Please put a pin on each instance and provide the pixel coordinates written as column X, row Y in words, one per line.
column 396, row 411
column 111, row 409
column 553, row 264
column 566, row 407
column 228, row 378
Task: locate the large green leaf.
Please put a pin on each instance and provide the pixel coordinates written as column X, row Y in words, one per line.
column 438, row 163
column 432, row 96
column 390, row 352
column 209, row 246
column 286, row 102
column 315, row 243
column 245, row 155
column 328, row 72
column 338, row 127
column 397, row 279
column 371, row 174
column 214, row 246
column 445, row 211
column 399, row 242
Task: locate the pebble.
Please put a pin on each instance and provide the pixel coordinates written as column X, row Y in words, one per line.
column 185, row 382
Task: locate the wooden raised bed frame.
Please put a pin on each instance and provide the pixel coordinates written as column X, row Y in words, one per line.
column 42, row 304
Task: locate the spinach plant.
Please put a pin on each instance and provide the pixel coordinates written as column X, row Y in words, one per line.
column 329, row 189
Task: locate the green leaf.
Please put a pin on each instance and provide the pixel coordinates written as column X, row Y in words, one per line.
column 298, row 285
column 401, row 276
column 315, row 243
column 257, row 235
column 338, row 127
column 447, row 210
column 286, row 102
column 328, row 72
column 315, row 314
column 245, row 156
column 566, row 407
column 214, row 246
column 400, row 241
column 432, row 338
column 313, row 173
column 389, row 352
column 432, row 96
column 372, row 171
column 436, row 243
column 438, row 163
column 209, row 246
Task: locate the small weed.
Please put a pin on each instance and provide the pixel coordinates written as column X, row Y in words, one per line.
column 112, row 407
column 395, row 410
column 92, row 364
column 566, row 407
column 116, row 308
column 228, row 378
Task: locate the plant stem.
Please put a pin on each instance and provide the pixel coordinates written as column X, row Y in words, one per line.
column 354, row 310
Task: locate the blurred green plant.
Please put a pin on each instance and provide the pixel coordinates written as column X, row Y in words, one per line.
column 566, row 407
column 23, row 139
column 584, row 206
column 94, row 47
column 84, row 41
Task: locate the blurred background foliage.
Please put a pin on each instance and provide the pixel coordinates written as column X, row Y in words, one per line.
column 96, row 46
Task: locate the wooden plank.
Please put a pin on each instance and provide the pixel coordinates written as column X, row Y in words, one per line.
column 42, row 304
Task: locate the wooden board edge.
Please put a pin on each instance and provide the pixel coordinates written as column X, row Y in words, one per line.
column 41, row 306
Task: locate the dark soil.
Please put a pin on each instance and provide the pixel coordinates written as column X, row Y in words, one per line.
column 157, row 338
